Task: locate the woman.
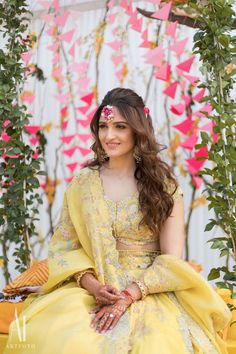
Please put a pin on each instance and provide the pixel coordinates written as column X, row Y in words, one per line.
column 117, row 283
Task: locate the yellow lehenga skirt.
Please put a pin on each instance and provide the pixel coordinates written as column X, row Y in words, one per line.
column 59, row 322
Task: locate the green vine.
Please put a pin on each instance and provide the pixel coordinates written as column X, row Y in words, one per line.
column 217, row 49
column 18, row 176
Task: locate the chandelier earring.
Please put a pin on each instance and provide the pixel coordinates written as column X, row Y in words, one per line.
column 101, row 155
column 136, row 154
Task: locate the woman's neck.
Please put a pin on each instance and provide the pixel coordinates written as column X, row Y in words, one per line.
column 120, row 168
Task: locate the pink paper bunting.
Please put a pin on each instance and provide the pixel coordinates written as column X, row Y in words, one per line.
column 72, row 166
column 67, row 139
column 63, row 98
column 145, row 43
column 190, row 142
column 69, row 179
column 194, row 165
column 179, row 46
column 117, row 59
column 55, row 4
column 84, row 151
column 34, row 140
column 70, row 152
column 116, row 45
column 163, row 13
column 67, row 37
column 72, row 50
column 83, row 109
column 64, row 125
column 35, row 155
column 5, row 136
column 184, row 126
column 111, row 18
column 32, row 129
column 171, row 29
column 186, row 65
column 136, row 24
column 155, row 56
column 53, row 47
column 88, row 98
column 197, row 181
column 61, row 20
column 178, row 109
column 202, row 152
column 192, row 79
column 187, row 100
column 163, row 72
column 84, row 122
column 171, row 90
column 199, row 95
column 84, row 137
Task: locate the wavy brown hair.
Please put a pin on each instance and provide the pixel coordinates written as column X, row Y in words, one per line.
column 155, row 202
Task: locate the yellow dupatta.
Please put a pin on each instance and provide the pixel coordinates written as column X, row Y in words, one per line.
column 84, row 240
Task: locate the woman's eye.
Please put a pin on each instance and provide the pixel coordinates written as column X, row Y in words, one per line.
column 102, row 126
column 121, row 126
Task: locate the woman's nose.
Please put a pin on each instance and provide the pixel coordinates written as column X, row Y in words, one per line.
column 110, row 132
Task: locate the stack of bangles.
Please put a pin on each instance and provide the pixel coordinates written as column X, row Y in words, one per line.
column 142, row 287
column 79, row 275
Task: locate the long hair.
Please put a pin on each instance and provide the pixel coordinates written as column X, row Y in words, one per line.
column 155, row 202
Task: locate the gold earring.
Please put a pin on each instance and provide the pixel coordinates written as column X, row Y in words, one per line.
column 136, row 154
column 101, row 155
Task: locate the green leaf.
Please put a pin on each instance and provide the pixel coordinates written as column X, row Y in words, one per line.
column 214, row 274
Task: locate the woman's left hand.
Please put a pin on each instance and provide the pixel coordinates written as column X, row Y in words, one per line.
column 107, row 317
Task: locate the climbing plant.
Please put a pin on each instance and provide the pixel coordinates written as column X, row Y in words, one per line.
column 18, row 165
column 216, row 46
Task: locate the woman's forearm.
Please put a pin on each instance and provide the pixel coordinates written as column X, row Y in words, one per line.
column 89, row 282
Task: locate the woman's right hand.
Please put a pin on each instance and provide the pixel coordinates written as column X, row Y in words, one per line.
column 107, row 295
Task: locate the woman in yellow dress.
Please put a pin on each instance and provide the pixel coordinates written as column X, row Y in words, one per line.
column 117, row 281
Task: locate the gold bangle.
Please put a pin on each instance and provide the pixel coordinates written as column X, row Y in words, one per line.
column 142, row 287
column 79, row 275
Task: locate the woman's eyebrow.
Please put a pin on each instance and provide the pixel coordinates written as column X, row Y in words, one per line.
column 100, row 122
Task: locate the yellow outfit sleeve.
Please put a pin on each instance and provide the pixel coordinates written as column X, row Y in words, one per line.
column 66, row 256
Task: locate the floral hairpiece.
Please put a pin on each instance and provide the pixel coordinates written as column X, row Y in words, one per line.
column 146, row 111
column 107, row 113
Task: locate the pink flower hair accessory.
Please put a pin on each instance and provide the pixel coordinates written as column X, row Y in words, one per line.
column 146, row 110
column 107, row 113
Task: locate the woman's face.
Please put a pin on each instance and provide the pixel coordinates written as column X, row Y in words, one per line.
column 116, row 136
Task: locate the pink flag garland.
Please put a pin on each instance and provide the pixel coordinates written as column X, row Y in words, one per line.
column 88, row 98
column 186, row 65
column 184, row 126
column 84, row 151
column 178, row 109
column 163, row 72
column 163, row 13
column 70, row 152
column 72, row 166
column 32, row 129
column 67, row 36
column 171, row 89
column 171, row 29
column 179, row 46
column 190, row 142
column 67, row 139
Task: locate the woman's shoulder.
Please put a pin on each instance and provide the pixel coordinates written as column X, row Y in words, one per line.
column 82, row 175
